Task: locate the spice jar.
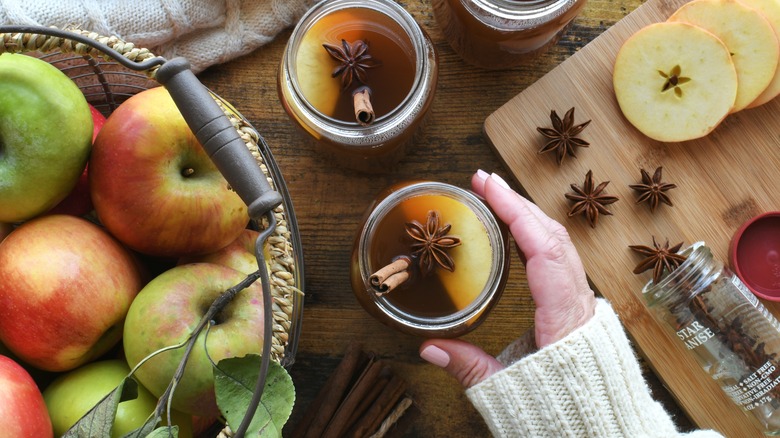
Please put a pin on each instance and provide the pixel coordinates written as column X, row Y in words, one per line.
column 359, row 78
column 496, row 34
column 730, row 333
column 430, row 259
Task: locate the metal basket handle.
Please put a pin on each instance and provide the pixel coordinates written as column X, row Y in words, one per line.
column 218, row 137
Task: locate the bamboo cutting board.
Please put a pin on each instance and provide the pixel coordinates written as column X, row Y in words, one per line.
column 723, row 180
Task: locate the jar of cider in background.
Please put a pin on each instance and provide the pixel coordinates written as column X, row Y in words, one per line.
column 495, row 34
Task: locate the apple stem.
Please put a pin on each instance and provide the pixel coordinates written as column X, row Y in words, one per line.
column 187, row 171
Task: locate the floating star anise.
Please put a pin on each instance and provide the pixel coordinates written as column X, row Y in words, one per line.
column 563, row 136
column 658, row 258
column 652, row 189
column 353, row 60
column 589, row 200
column 431, row 243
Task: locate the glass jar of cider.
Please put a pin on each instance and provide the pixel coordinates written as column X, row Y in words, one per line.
column 345, row 49
column 497, row 34
column 444, row 291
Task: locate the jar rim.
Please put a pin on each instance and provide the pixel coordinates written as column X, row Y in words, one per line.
column 512, row 15
column 694, row 253
column 492, row 288
column 385, row 122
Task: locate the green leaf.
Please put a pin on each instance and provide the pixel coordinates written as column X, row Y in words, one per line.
column 164, row 432
column 234, row 381
column 99, row 421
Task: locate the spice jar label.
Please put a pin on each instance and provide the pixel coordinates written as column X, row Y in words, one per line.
column 745, row 291
column 754, row 390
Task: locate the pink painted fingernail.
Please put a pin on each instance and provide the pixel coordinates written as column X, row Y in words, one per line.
column 435, row 355
column 500, row 181
column 481, row 174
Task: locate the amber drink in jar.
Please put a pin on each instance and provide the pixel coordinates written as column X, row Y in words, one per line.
column 358, row 77
column 496, row 34
column 430, row 259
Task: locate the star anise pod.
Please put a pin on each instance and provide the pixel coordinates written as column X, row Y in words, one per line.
column 353, row 60
column 652, row 189
column 658, row 258
column 589, row 200
column 431, row 243
column 563, row 136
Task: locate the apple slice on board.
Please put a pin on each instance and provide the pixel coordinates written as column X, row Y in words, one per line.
column 674, row 81
column 748, row 35
column 771, row 11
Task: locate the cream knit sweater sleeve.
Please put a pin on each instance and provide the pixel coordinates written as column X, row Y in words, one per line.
column 588, row 384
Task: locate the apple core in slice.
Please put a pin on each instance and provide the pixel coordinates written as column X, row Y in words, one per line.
column 674, row 81
column 747, row 34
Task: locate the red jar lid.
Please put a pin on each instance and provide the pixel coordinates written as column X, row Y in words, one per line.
column 755, row 255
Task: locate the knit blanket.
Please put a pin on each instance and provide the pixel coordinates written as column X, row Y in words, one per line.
column 206, row 32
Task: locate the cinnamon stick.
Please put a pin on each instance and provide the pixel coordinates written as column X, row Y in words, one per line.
column 379, row 410
column 364, row 111
column 391, row 276
column 329, row 398
column 365, row 382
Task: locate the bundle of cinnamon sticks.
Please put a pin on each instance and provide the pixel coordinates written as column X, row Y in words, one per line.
column 362, row 398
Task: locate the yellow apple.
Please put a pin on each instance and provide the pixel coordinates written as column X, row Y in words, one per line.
column 674, row 81
column 750, row 38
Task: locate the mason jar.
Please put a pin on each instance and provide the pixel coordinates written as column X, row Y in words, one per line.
column 401, row 76
column 432, row 301
column 496, row 34
column 733, row 337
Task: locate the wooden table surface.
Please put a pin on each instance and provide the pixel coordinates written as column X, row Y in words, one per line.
column 329, row 202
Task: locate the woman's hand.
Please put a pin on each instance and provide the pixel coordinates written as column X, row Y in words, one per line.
column 556, row 278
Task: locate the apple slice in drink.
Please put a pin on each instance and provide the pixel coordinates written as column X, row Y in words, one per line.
column 674, row 81
column 747, row 34
column 771, row 11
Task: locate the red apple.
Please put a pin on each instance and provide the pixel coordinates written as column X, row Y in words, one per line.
column 65, row 288
column 166, row 312
column 78, row 202
column 22, row 410
column 153, row 185
column 239, row 254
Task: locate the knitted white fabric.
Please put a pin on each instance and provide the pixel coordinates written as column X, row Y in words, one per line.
column 206, row 32
column 589, row 384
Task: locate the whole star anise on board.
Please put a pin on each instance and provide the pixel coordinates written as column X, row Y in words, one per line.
column 563, row 136
column 353, row 60
column 431, row 243
column 589, row 200
column 659, row 258
column 652, row 189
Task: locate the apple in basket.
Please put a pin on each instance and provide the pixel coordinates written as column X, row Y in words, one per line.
column 65, row 288
column 153, row 185
column 167, row 311
column 45, row 136
column 78, row 202
column 73, row 394
column 22, row 410
column 239, row 255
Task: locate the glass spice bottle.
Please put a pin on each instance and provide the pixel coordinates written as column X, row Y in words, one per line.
column 438, row 302
column 495, row 34
column 376, row 50
column 730, row 333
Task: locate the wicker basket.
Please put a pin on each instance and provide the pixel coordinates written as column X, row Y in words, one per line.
column 90, row 60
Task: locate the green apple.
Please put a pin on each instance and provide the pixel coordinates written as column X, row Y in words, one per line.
column 73, row 394
column 65, row 288
column 22, row 410
column 155, row 188
column 45, row 136
column 166, row 312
